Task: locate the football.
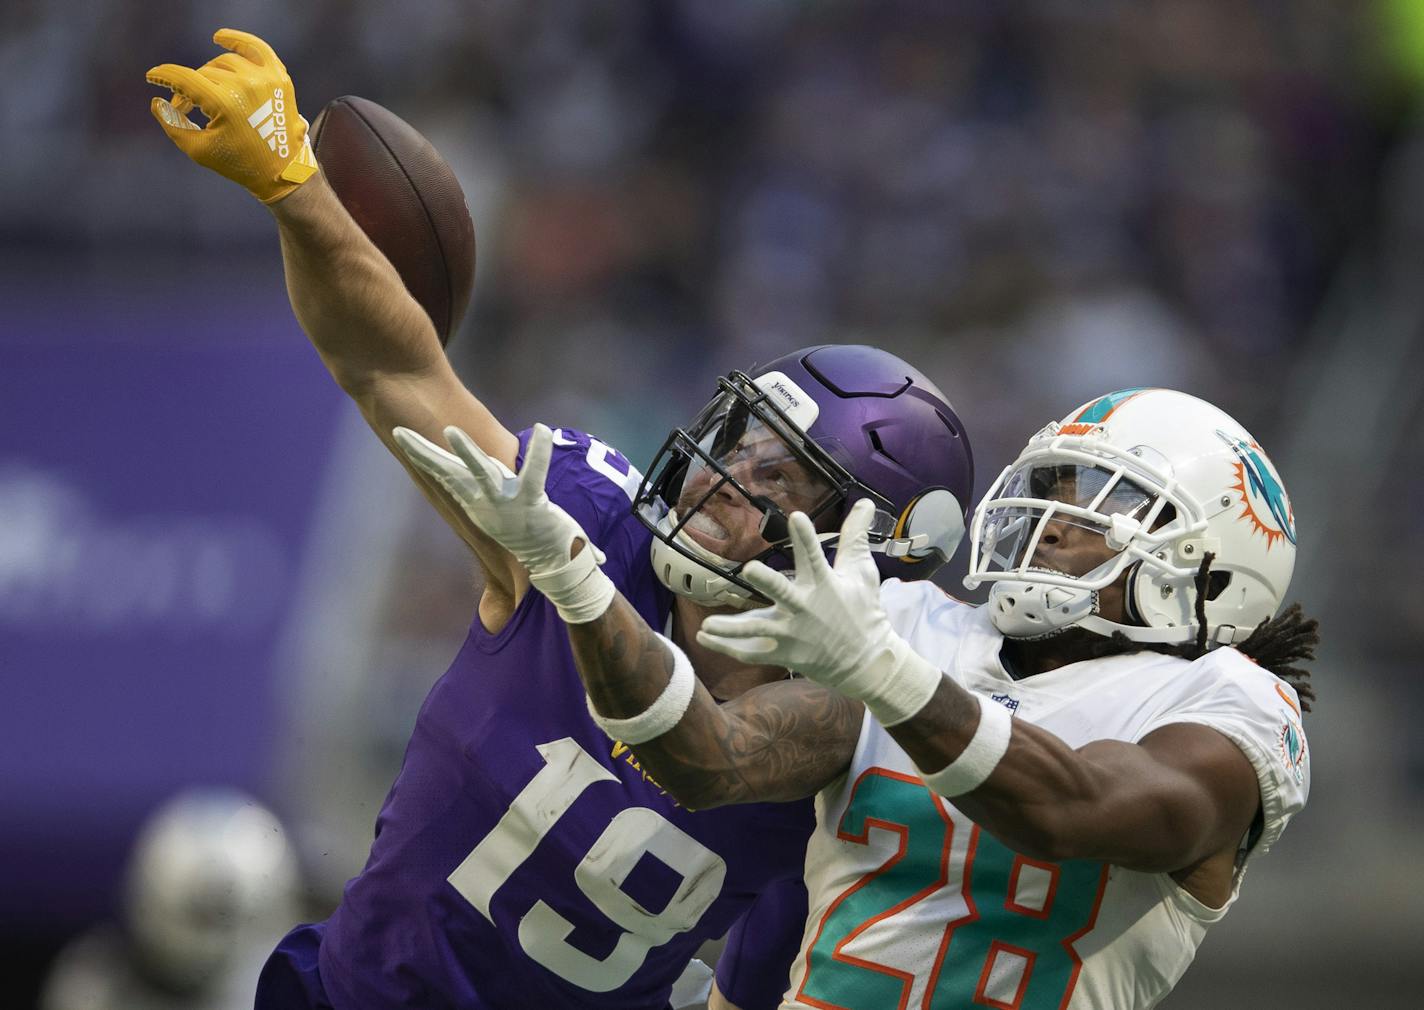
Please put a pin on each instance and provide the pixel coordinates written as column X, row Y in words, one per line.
column 405, row 198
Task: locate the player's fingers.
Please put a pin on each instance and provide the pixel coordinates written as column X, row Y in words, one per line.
column 811, row 562
column 224, row 81
column 853, row 546
column 770, row 583
column 248, row 46
column 536, row 461
column 228, row 63
column 171, row 116
column 428, row 456
column 189, row 83
column 489, row 473
column 754, row 650
column 748, row 624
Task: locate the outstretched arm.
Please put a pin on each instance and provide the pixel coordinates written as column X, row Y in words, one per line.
column 374, row 338
column 1183, row 794
column 371, row 334
column 1165, row 803
column 780, row 741
column 381, row 347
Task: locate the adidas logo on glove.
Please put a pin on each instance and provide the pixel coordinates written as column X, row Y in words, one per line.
column 270, row 122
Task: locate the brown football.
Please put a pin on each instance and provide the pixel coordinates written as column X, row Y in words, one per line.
column 406, row 200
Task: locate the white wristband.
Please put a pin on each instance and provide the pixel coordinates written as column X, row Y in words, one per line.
column 663, row 714
column 978, row 760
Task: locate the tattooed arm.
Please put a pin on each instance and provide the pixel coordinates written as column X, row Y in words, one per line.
column 776, row 742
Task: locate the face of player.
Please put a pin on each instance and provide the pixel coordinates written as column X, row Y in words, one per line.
column 1076, row 547
column 1073, row 550
column 723, row 520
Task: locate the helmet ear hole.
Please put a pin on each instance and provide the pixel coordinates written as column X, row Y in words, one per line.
column 1130, row 590
column 1216, row 583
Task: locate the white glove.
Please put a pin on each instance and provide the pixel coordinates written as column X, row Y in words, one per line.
column 828, row 624
column 515, row 513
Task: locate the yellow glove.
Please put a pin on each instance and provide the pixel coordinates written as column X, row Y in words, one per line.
column 254, row 135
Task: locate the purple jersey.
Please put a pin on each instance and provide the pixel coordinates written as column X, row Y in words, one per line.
column 524, row 860
column 752, row 971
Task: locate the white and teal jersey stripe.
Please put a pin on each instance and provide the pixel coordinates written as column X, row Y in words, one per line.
column 914, row 906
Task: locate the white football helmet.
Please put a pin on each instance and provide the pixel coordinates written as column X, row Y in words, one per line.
column 1165, row 478
column 210, row 867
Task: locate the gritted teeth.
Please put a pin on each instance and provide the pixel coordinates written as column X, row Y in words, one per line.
column 707, row 526
column 1051, row 571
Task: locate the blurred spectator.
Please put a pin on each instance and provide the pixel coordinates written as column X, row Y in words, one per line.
column 785, row 172
column 210, row 888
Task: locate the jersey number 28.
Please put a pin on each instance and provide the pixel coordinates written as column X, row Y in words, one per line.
column 1009, row 945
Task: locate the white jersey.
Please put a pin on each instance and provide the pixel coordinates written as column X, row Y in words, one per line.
column 913, row 905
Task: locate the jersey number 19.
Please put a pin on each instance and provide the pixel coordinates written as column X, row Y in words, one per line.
column 543, row 933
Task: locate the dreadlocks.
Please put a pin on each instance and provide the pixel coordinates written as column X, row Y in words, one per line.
column 1278, row 643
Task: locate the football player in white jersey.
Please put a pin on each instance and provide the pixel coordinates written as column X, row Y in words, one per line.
column 1059, row 791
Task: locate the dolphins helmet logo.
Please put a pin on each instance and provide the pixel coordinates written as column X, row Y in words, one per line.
column 1264, row 503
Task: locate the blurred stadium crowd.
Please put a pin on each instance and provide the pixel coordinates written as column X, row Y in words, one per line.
column 985, row 185
column 1034, row 202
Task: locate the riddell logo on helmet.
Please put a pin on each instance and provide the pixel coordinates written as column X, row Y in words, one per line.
column 270, row 122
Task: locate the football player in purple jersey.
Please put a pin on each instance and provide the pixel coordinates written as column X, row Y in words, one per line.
column 523, row 858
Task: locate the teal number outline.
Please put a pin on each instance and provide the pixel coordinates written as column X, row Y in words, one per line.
column 903, row 830
column 972, row 912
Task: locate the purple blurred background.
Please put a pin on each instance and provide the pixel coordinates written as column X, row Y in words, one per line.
column 211, row 573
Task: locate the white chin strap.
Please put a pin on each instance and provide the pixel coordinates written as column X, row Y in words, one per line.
column 1024, row 609
column 686, row 577
column 1151, row 636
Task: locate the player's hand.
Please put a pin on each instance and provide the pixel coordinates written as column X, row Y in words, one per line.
column 254, row 135
column 828, row 624
column 514, row 511
column 823, row 621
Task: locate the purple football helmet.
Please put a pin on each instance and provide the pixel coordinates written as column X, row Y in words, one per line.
column 814, row 431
